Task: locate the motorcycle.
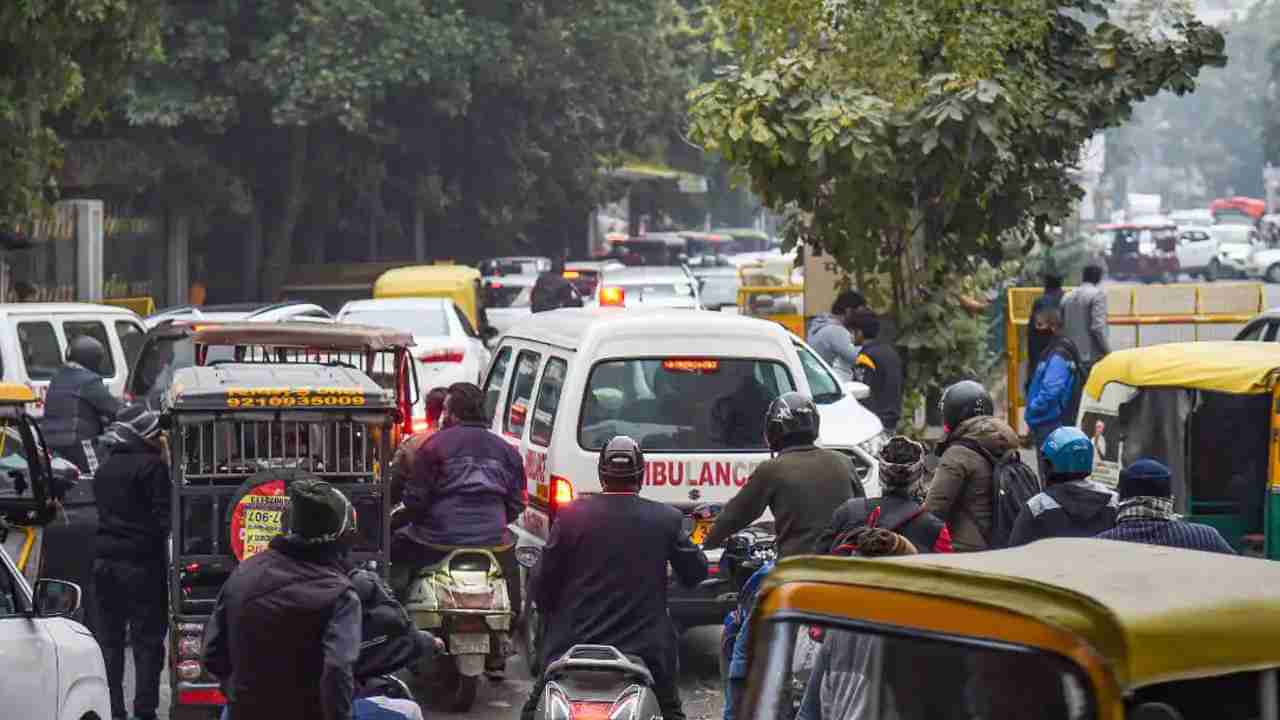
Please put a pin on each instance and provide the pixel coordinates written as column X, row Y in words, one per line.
column 597, row 682
column 463, row 600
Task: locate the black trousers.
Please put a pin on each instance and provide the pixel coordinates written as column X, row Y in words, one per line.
column 132, row 598
column 664, row 688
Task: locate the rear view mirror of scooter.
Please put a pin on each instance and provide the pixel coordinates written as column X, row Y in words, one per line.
column 528, row 555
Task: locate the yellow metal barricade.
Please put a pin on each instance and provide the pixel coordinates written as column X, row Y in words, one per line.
column 1138, row 315
column 144, row 306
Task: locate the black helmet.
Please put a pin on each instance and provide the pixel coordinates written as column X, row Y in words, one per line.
column 621, row 462
column 792, row 419
column 964, row 400
column 86, row 351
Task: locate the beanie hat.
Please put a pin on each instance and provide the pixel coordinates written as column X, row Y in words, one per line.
column 318, row 512
column 901, row 462
column 1145, row 478
column 133, row 424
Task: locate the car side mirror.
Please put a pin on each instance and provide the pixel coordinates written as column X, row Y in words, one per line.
column 528, row 555
column 859, row 391
column 56, row 598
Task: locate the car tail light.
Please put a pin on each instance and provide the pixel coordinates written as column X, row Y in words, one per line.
column 561, row 491
column 446, row 355
column 613, row 296
column 201, row 696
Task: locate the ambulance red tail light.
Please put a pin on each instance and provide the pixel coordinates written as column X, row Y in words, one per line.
column 613, row 297
column 561, row 491
column 444, row 355
column 201, row 696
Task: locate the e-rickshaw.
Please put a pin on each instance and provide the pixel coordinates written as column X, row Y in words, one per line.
column 1063, row 629
column 458, row 283
column 1208, row 410
column 240, row 434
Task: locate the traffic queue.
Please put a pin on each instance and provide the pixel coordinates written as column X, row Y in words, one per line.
column 313, row 531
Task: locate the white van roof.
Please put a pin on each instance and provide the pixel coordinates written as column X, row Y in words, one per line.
column 574, row 328
column 62, row 308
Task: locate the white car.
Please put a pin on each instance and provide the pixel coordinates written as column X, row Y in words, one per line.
column 50, row 665
column 1217, row 250
column 508, row 300
column 447, row 349
column 252, row 312
column 647, row 286
column 1264, row 263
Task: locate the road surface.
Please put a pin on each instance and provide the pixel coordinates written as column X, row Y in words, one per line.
column 699, row 684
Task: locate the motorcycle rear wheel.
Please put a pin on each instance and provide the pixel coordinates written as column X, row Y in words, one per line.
column 454, row 692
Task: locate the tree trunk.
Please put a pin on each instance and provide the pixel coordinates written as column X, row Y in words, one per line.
column 419, row 231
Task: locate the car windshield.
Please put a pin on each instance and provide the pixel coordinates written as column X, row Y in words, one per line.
column 497, row 295
column 419, row 321
column 828, row 672
column 718, row 290
column 681, row 403
column 161, row 358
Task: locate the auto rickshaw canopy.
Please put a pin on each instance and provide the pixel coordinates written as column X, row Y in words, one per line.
column 1152, row 614
column 1239, row 368
column 16, row 394
column 303, row 335
column 456, row 282
column 275, row 387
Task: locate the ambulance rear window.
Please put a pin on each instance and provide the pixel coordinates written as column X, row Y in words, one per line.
column 682, row 404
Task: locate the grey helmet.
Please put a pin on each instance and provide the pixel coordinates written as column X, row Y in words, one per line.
column 87, row 351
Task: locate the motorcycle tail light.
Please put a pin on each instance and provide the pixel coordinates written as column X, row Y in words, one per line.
column 189, row 670
column 590, row 711
column 468, row 623
column 626, row 708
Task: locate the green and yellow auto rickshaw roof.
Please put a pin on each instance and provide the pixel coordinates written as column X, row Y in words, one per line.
column 1153, row 614
column 1241, row 368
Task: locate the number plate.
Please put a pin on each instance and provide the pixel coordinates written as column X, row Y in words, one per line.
column 469, row 644
column 700, row 530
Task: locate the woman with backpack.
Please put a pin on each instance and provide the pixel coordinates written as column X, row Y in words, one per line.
column 901, row 467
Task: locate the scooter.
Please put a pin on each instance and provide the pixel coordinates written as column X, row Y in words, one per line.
column 597, row 682
column 463, row 600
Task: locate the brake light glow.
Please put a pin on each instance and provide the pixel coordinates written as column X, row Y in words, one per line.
column 189, row 670
column 561, row 491
column 572, row 274
column 613, row 296
column 201, row 696
column 691, row 365
column 445, row 355
column 589, row 711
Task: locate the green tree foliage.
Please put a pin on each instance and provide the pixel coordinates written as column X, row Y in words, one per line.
column 58, row 57
column 910, row 137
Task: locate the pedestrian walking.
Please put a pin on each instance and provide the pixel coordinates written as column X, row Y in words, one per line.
column 1146, row 513
column 901, row 467
column 879, row 366
column 800, row 484
column 1071, row 504
column 285, row 633
column 1038, row 334
column 831, row 336
column 1053, row 399
column 1084, row 318
column 130, row 565
column 962, row 492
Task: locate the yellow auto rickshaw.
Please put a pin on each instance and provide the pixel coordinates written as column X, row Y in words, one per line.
column 1064, row 629
column 1208, row 410
column 27, row 484
column 456, row 282
column 769, row 292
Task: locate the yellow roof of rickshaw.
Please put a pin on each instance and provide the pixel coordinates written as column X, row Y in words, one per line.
column 14, row 393
column 1153, row 613
column 412, row 280
column 1242, row 368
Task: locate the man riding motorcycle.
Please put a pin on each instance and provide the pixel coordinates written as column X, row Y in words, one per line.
column 78, row 407
column 602, row 578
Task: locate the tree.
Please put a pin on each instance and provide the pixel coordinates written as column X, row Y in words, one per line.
column 55, row 58
column 909, row 138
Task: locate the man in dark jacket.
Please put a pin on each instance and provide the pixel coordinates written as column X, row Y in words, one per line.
column 1038, row 333
column 552, row 290
column 285, row 633
column 901, row 465
column 131, row 559
column 962, row 491
column 603, row 575
column 79, row 407
column 1053, row 397
column 389, row 642
column 1146, row 513
column 468, row 485
column 799, row 485
column 1071, row 504
column 880, row 368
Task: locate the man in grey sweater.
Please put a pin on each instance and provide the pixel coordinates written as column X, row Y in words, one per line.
column 831, row 335
column 1084, row 317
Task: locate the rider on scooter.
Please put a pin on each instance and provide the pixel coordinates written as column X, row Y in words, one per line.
column 602, row 578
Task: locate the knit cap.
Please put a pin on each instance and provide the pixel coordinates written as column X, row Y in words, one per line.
column 318, row 512
column 1145, row 478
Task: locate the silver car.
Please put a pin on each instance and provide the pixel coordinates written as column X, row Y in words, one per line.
column 648, row 286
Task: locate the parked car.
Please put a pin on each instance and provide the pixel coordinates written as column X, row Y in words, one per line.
column 515, row 265
column 649, row 286
column 252, row 312
column 1263, row 328
column 717, row 286
column 446, row 348
column 34, row 338
column 1217, row 250
column 50, row 665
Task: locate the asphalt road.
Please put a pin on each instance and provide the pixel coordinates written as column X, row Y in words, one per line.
column 699, row 684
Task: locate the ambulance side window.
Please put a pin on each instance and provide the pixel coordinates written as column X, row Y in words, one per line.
column 493, row 383
column 520, row 395
column 544, row 412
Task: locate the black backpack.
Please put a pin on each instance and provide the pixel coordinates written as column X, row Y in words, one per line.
column 1014, row 483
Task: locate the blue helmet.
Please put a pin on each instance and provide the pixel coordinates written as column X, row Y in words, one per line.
column 1068, row 452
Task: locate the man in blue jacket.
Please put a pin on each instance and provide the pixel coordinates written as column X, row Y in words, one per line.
column 1054, row 396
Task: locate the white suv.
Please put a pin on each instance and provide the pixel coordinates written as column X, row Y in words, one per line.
column 1217, row 250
